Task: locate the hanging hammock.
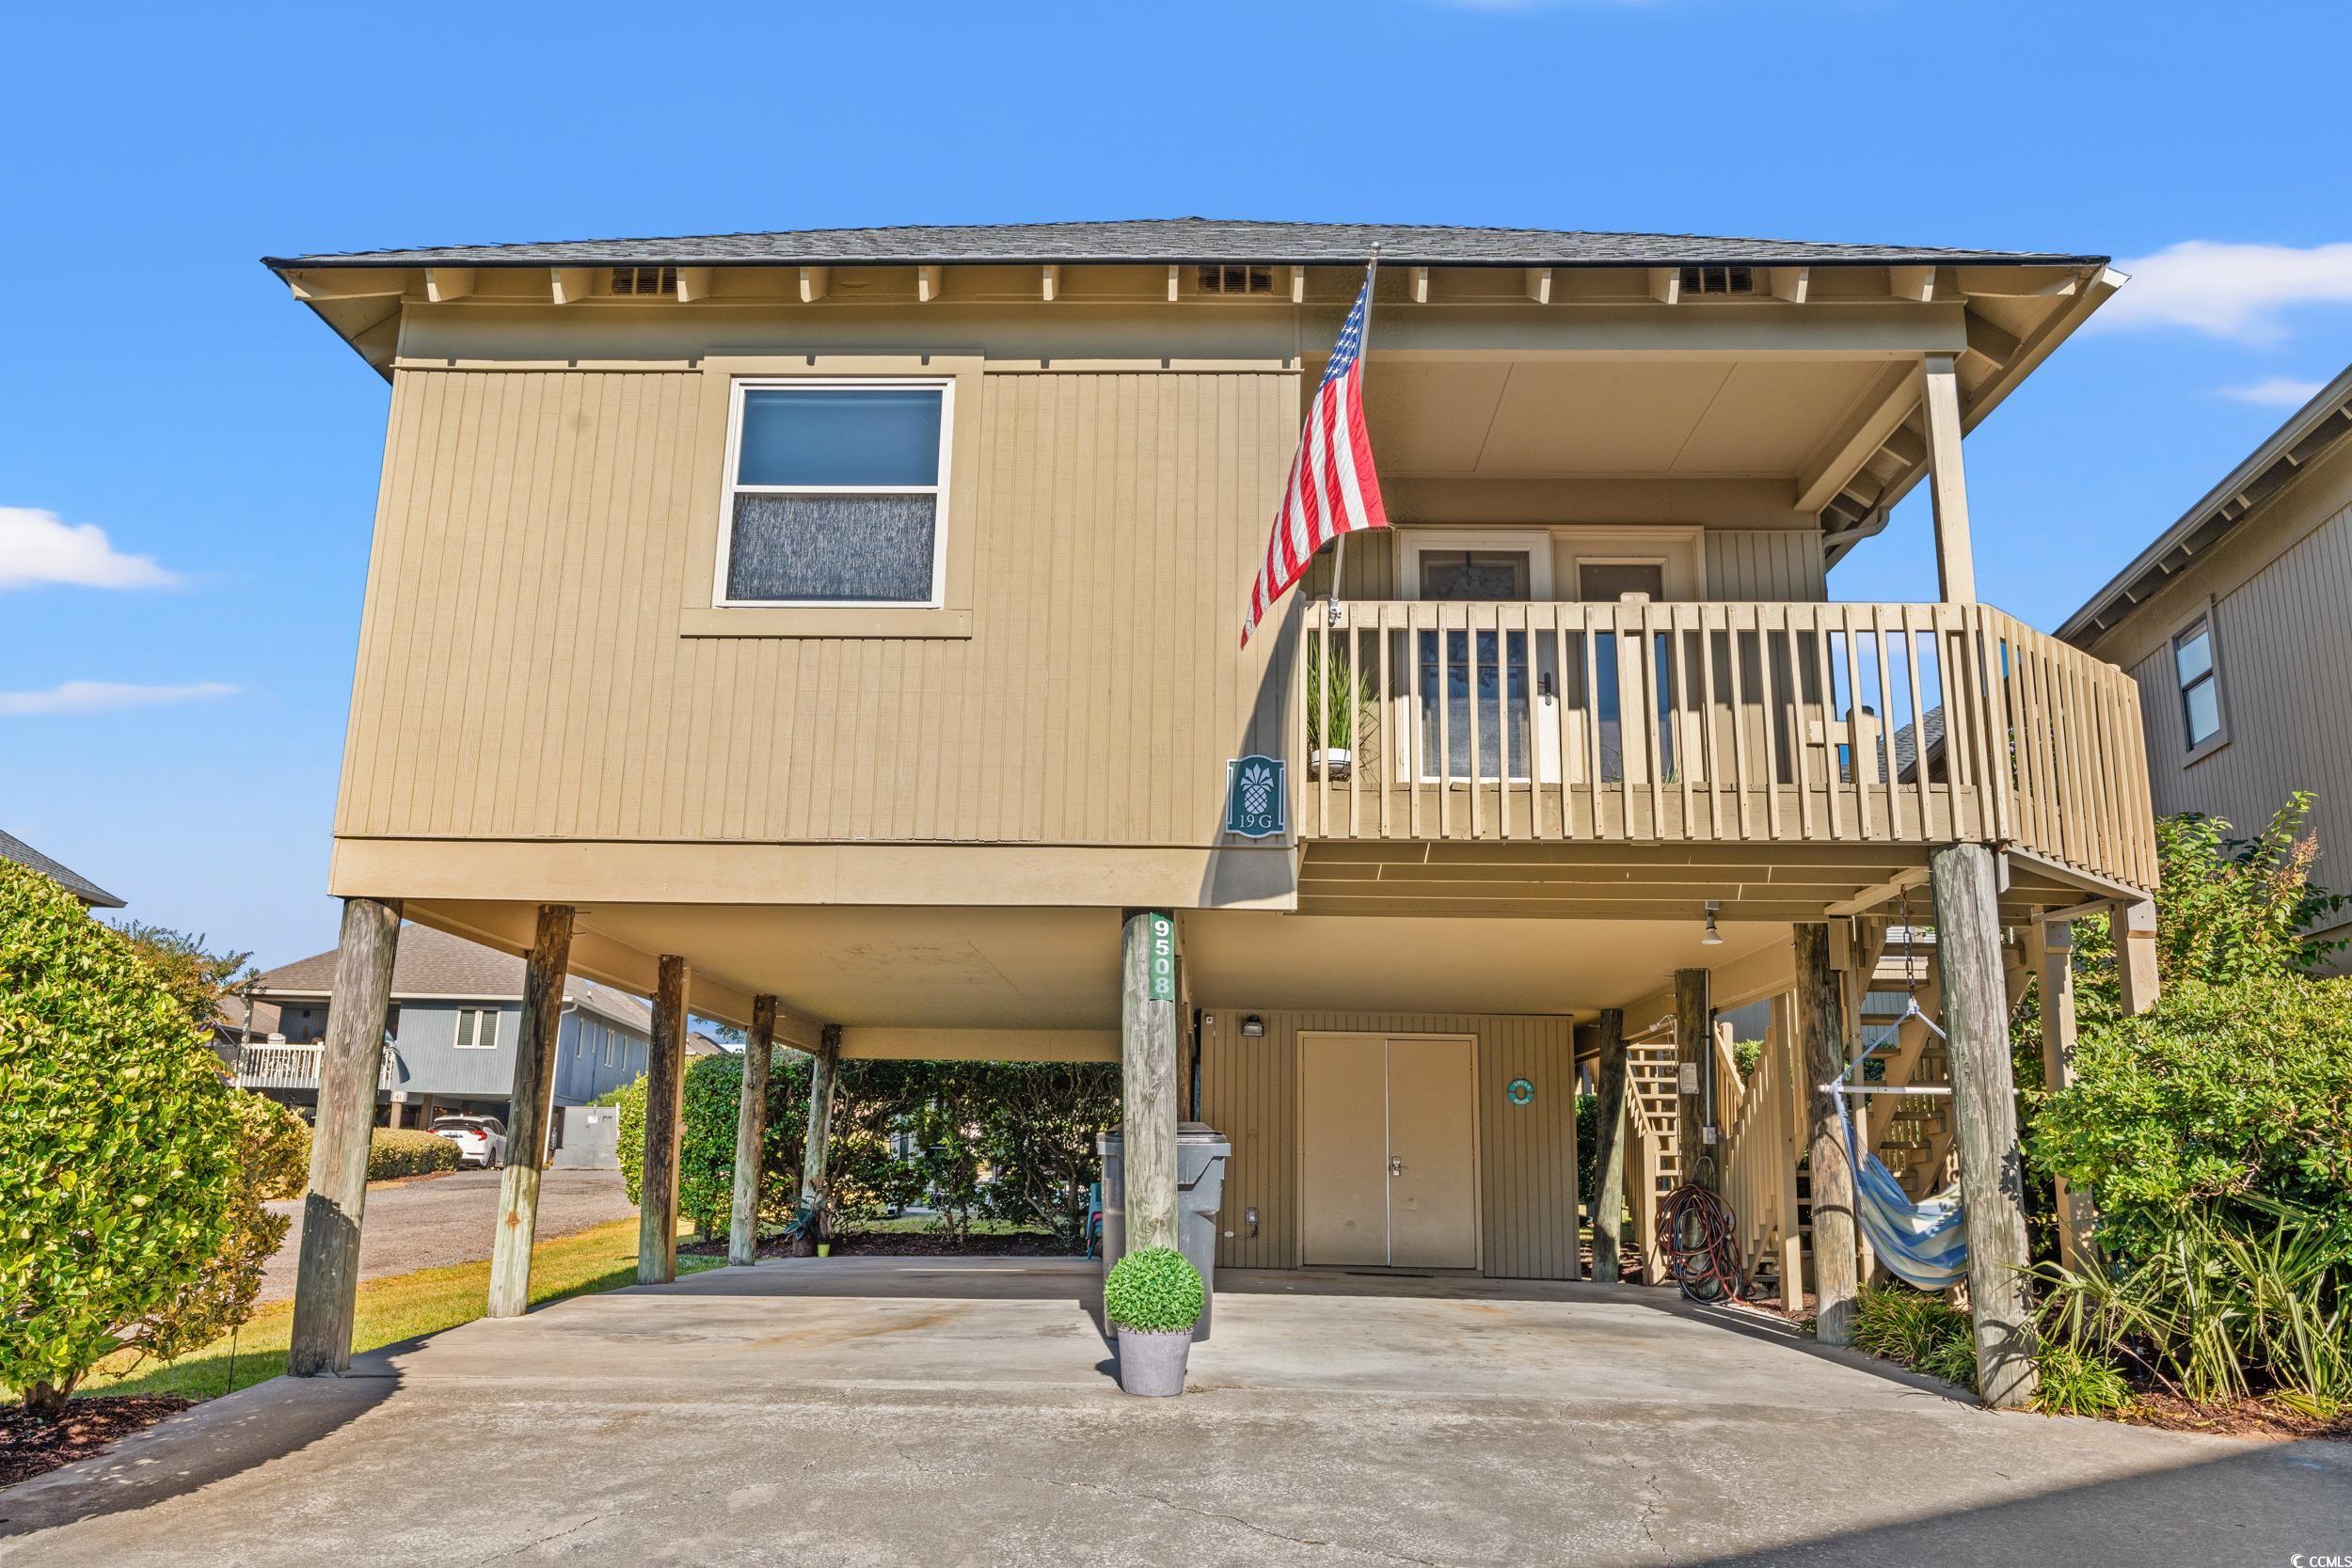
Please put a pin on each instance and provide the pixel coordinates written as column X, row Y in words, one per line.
column 1923, row 1244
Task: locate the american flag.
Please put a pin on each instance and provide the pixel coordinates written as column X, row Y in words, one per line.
column 1332, row 488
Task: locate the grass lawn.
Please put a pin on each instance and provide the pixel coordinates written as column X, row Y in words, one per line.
column 402, row 1307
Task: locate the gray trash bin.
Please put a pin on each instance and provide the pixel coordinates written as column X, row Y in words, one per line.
column 1202, row 1151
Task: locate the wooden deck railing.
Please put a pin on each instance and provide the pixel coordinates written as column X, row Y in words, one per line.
column 1842, row 724
column 293, row 1067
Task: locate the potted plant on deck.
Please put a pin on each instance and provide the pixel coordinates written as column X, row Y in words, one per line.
column 1339, row 703
column 1152, row 1299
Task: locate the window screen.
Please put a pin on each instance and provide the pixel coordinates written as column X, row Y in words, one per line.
column 835, row 495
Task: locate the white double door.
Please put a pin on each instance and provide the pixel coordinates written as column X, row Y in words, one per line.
column 1388, row 1151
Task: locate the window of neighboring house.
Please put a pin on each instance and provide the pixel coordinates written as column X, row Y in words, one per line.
column 837, row 493
column 476, row 1028
column 2200, row 688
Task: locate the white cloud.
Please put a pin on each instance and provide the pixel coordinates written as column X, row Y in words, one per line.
column 38, row 547
column 76, row 697
column 2229, row 290
column 2278, row 391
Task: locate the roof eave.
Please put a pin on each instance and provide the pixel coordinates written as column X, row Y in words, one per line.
column 2090, row 622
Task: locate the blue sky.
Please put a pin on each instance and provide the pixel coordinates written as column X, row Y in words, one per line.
column 189, row 460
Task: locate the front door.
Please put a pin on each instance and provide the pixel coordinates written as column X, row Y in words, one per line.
column 1388, row 1151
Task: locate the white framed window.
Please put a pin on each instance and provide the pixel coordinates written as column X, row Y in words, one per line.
column 836, row 492
column 476, row 1028
column 2197, row 670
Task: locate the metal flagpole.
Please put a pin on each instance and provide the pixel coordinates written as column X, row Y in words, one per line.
column 1363, row 347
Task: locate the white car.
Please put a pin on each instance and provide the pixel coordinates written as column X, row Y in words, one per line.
column 480, row 1140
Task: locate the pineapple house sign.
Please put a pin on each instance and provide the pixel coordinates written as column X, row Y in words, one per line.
column 1254, row 796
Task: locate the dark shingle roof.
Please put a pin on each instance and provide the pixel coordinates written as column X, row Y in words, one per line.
column 89, row 892
column 433, row 963
column 1157, row 240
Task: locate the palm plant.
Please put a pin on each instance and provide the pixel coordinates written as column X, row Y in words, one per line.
column 1340, row 702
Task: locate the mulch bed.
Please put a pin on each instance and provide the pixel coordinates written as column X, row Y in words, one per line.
column 916, row 1243
column 31, row 1445
column 2247, row 1417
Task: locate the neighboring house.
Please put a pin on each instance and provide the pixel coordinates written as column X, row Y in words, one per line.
column 454, row 1017
column 850, row 618
column 2236, row 623
column 89, row 892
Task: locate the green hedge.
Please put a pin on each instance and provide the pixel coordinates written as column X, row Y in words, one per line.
column 117, row 1142
column 393, row 1152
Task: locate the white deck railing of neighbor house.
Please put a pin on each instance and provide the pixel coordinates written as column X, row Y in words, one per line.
column 294, row 1066
column 1718, row 722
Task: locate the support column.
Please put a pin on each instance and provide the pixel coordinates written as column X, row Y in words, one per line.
column 817, row 1142
column 665, row 1099
column 2054, row 953
column 327, row 1282
column 1609, row 1156
column 1822, row 1057
column 2135, row 928
column 1147, row 1014
column 529, row 1108
column 751, row 1134
column 1984, row 1118
column 1939, row 399
column 1696, row 1134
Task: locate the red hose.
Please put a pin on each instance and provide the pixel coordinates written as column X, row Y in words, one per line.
column 1699, row 1238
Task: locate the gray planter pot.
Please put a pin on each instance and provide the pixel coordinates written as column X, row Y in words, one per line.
column 1152, row 1364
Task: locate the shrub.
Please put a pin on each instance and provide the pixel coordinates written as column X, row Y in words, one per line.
column 2220, row 1094
column 1156, row 1290
column 1914, row 1329
column 2217, row 1310
column 2073, row 1383
column 397, row 1151
column 272, row 1160
column 117, row 1142
column 713, row 1093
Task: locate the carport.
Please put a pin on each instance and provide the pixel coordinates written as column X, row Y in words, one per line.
column 961, row 1411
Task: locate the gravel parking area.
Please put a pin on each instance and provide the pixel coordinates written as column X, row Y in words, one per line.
column 434, row 1220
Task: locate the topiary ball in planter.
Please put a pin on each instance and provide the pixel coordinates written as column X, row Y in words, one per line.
column 1152, row 1299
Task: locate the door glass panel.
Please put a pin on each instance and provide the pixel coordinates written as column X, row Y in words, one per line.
column 1489, row 574
column 1498, row 678
column 1605, row 582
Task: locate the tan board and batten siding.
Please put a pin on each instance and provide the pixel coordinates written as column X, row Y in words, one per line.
column 522, row 673
column 1527, row 1197
column 1742, row 564
column 2285, row 635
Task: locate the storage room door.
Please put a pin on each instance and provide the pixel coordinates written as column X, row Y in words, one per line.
column 1433, row 1159
column 1344, row 1154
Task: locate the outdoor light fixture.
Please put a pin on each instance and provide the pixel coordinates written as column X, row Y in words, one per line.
column 1711, row 937
column 1253, row 1027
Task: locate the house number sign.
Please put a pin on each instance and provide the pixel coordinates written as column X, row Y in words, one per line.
column 1160, row 955
column 1254, row 796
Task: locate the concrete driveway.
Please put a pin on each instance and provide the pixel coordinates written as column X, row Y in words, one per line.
column 434, row 1220
column 946, row 1412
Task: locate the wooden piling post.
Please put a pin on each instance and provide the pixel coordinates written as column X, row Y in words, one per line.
column 1608, row 1152
column 751, row 1134
column 1147, row 1075
column 1695, row 1133
column 2051, row 948
column 665, row 1096
column 1984, row 1118
column 1821, row 1058
column 529, row 1108
column 817, row 1144
column 326, row 1281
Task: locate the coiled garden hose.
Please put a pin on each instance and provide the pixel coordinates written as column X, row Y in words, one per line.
column 1699, row 1238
